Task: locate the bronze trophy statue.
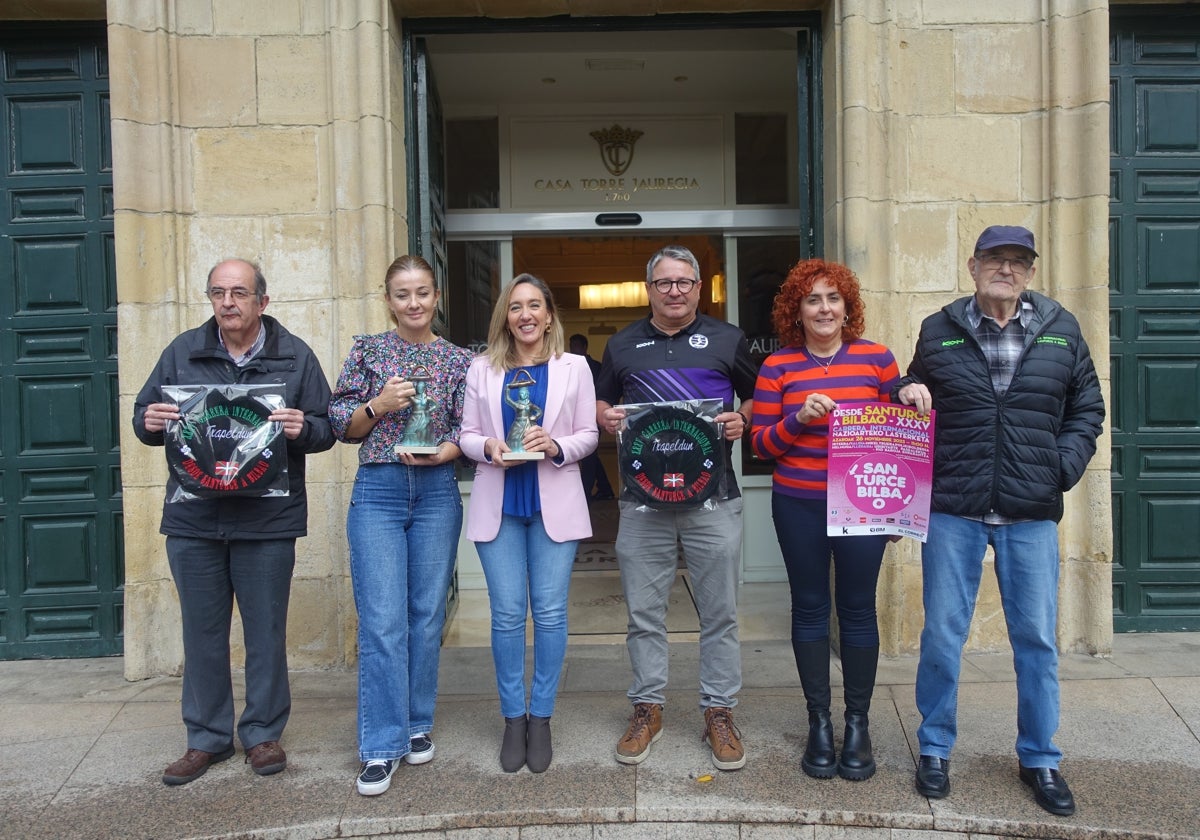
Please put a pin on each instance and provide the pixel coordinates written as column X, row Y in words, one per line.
column 527, row 413
column 418, row 431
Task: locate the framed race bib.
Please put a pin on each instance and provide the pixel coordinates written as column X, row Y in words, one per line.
column 224, row 445
column 671, row 454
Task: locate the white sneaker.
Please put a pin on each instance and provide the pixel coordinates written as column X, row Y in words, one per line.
column 376, row 776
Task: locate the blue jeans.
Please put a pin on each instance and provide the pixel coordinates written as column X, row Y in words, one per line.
column 209, row 575
column 800, row 525
column 403, row 527
column 1027, row 573
column 526, row 572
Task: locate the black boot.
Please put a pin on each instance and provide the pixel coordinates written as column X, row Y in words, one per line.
column 857, row 762
column 812, row 662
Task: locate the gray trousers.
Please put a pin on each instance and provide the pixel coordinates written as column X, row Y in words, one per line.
column 209, row 574
column 648, row 554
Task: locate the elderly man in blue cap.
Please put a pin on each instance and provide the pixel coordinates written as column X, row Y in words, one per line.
column 1019, row 409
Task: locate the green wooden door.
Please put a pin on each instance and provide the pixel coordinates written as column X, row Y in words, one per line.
column 1154, row 233
column 61, row 570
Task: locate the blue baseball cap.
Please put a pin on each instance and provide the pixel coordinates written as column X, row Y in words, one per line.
column 998, row 235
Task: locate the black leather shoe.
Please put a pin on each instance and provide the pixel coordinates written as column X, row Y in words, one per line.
column 933, row 777
column 1049, row 789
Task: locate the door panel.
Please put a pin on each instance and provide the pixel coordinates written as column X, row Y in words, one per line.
column 61, row 571
column 1155, row 321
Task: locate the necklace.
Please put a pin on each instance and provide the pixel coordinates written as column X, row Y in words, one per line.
column 824, row 361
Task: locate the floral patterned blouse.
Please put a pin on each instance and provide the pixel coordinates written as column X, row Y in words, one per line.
column 372, row 361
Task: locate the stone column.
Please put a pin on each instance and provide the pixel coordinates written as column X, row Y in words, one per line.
column 271, row 131
column 944, row 117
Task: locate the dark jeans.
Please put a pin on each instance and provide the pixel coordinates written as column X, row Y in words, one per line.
column 209, row 575
column 800, row 526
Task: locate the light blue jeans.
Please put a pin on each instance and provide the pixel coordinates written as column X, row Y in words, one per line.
column 648, row 550
column 1027, row 573
column 527, row 572
column 403, row 528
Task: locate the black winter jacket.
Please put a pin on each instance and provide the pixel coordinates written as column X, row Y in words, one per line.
column 197, row 358
column 1018, row 454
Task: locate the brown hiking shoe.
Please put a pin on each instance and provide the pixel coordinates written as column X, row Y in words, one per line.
column 193, row 765
column 724, row 738
column 645, row 727
column 266, row 758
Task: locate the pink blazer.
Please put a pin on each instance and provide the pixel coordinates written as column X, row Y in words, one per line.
column 569, row 417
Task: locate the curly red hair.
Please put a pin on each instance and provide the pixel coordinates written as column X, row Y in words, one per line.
column 785, row 314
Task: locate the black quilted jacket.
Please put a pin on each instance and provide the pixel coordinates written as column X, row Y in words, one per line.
column 1018, row 454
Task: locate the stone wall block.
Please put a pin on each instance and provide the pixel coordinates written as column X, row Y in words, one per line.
column 142, row 467
column 313, row 627
column 146, row 186
column 963, row 159
column 926, row 259
column 998, row 70
column 257, row 172
column 1085, row 607
column 293, row 81
column 215, row 81
column 211, row 239
column 262, row 17
column 361, row 161
column 142, row 333
column 145, row 549
column 924, row 72
column 865, row 244
column 134, row 13
column 138, row 74
column 144, row 243
column 153, row 608
column 358, row 58
column 1086, row 174
column 298, row 255
column 943, row 12
column 192, row 18
column 1078, row 60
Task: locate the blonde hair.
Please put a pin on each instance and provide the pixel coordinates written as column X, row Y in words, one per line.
column 408, row 262
column 502, row 349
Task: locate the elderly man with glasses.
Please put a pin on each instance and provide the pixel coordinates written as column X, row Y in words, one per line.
column 1019, row 409
column 675, row 354
column 236, row 547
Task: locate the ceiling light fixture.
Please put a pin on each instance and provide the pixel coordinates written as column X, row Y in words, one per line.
column 613, row 295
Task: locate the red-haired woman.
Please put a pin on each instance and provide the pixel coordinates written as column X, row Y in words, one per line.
column 824, row 361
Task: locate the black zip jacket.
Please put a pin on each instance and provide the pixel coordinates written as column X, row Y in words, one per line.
column 1017, row 454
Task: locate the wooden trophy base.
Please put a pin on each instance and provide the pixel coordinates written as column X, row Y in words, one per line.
column 401, row 449
column 522, row 456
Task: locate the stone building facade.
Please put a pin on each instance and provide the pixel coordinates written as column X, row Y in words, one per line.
column 276, row 129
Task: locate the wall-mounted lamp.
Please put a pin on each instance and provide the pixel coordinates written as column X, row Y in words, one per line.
column 718, row 288
column 611, row 295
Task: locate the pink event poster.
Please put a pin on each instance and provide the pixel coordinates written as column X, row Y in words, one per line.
column 880, row 470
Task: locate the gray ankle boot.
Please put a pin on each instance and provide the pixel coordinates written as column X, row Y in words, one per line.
column 538, row 750
column 512, row 750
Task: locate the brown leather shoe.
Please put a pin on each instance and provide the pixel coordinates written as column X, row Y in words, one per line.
column 724, row 739
column 645, row 727
column 266, row 758
column 193, row 765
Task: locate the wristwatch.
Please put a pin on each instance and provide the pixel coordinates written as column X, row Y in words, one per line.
column 370, row 411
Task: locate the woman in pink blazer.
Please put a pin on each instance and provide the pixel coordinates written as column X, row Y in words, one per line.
column 526, row 517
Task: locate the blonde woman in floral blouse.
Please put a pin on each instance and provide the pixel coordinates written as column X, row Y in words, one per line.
column 404, row 518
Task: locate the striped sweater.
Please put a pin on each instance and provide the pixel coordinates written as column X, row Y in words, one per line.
column 861, row 371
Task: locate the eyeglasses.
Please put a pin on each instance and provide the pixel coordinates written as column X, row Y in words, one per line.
column 684, row 285
column 994, row 262
column 237, row 293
